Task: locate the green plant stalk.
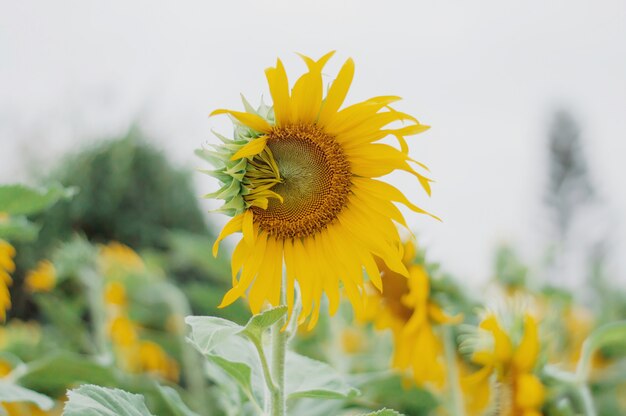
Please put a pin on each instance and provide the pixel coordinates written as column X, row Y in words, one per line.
column 190, row 359
column 95, row 290
column 587, row 400
column 278, row 403
column 456, row 405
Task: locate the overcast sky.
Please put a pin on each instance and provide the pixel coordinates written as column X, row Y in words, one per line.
column 486, row 76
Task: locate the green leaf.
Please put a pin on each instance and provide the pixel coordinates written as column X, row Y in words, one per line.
column 22, row 200
column 56, row 372
column 384, row 412
column 207, row 332
column 18, row 229
column 240, row 372
column 310, row 378
column 262, row 321
column 609, row 334
column 222, row 343
column 174, row 402
column 90, row 400
column 13, row 393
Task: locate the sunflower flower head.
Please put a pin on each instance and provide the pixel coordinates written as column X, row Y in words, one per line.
column 117, row 260
column 407, row 308
column 509, row 354
column 115, row 294
column 42, row 278
column 7, row 266
column 300, row 180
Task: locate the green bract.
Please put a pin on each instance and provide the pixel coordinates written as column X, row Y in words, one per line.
column 240, row 178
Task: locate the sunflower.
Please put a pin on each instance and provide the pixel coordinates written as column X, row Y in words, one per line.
column 7, row 266
column 42, row 278
column 132, row 353
column 407, row 308
column 512, row 364
column 299, row 180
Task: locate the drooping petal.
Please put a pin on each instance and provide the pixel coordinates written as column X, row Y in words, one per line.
column 502, row 348
column 250, row 270
column 384, row 190
column 253, row 121
column 526, row 353
column 254, row 147
column 231, row 227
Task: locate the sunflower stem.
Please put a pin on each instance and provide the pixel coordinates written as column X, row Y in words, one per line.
column 278, row 404
column 456, row 404
column 587, row 400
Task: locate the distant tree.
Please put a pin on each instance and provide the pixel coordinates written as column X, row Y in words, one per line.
column 569, row 184
column 569, row 198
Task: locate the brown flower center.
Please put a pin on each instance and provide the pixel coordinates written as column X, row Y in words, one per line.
column 315, row 182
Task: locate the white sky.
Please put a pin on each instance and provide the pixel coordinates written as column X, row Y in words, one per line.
column 484, row 74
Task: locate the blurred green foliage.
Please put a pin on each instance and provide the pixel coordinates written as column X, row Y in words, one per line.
column 128, row 192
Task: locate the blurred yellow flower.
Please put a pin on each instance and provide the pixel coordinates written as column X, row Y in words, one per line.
column 5, row 368
column 352, row 340
column 29, row 409
column 41, row 279
column 122, row 331
column 115, row 294
column 153, row 359
column 519, row 392
column 117, row 259
column 7, row 266
column 406, row 308
column 132, row 353
column 300, row 183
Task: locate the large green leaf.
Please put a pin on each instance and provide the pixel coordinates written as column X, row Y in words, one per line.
column 22, row 200
column 173, row 400
column 223, row 344
column 90, row 400
column 13, row 393
column 238, row 371
column 18, row 229
column 384, row 412
column 310, row 378
column 207, row 332
column 56, row 372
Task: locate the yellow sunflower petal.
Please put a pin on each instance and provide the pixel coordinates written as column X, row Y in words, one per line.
column 526, row 353
column 279, row 89
column 253, row 147
column 249, row 272
column 265, row 283
column 530, row 393
column 253, row 121
column 231, row 227
column 240, row 254
column 503, row 349
column 306, row 95
column 384, row 190
column 290, row 271
column 337, row 93
column 247, row 227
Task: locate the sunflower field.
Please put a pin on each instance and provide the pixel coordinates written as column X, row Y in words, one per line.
column 313, row 298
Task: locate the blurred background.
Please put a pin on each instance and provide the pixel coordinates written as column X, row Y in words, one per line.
column 489, row 77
